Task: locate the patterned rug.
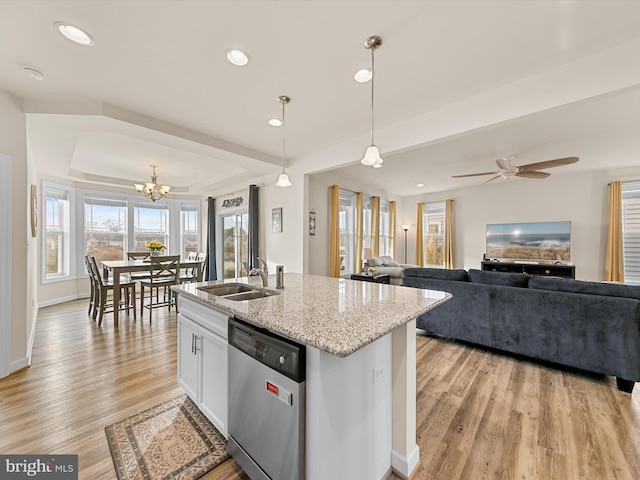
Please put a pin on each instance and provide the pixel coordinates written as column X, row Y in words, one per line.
column 173, row 440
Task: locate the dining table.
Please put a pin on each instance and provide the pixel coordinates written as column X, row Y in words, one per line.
column 115, row 268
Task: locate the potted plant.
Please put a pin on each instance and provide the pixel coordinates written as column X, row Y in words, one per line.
column 155, row 248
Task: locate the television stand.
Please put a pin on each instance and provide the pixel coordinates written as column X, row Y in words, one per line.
column 543, row 269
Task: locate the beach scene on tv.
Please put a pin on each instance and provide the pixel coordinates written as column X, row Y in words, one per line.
column 542, row 241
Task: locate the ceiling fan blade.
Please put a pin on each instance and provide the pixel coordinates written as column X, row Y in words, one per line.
column 548, row 164
column 533, row 174
column 474, row 174
column 494, row 178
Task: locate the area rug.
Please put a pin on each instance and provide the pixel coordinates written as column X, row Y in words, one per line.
column 173, row 440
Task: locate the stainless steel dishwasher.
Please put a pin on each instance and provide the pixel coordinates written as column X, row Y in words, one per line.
column 266, row 403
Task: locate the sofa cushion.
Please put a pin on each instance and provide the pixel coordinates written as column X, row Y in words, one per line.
column 437, row 273
column 569, row 285
column 504, row 279
column 382, row 261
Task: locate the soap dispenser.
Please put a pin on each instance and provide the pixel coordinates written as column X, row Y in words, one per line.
column 279, row 276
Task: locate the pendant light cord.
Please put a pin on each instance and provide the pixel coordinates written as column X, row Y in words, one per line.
column 372, row 79
column 283, row 139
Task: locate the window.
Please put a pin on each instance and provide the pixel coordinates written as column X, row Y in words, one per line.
column 631, row 231
column 150, row 224
column 347, row 223
column 366, row 221
column 105, row 228
column 57, row 258
column 188, row 230
column 385, row 229
column 433, row 233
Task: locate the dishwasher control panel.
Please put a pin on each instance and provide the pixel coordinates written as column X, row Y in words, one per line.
column 274, row 351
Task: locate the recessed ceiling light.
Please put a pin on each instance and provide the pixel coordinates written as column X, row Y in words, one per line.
column 420, row 185
column 34, row 73
column 237, row 57
column 75, row 34
column 275, row 122
column 362, row 76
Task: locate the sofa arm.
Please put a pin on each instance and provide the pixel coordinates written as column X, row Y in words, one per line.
column 408, row 265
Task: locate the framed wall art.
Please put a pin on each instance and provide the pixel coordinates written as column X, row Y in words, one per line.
column 276, row 220
column 34, row 210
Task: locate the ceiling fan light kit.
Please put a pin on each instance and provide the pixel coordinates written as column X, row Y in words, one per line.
column 531, row 170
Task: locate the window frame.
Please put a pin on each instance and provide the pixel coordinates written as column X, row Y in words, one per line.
column 433, row 209
column 631, row 225
column 67, row 259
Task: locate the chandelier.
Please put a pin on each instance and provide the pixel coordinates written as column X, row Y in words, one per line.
column 152, row 190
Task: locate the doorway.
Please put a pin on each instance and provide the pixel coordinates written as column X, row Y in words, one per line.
column 235, row 242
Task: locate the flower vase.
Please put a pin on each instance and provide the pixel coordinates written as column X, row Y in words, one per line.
column 155, row 253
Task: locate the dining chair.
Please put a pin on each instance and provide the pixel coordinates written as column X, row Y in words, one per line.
column 193, row 274
column 164, row 272
column 144, row 256
column 93, row 295
column 104, row 287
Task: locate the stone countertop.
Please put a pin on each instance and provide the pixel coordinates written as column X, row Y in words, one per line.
column 337, row 315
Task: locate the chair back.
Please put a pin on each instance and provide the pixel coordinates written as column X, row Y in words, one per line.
column 95, row 271
column 165, row 269
column 138, row 255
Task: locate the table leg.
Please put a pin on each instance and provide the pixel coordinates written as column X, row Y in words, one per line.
column 116, row 296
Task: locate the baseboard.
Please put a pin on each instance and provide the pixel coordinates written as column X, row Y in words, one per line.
column 402, row 465
column 19, row 364
column 57, row 301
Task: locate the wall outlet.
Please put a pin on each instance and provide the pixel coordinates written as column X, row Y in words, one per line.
column 378, row 372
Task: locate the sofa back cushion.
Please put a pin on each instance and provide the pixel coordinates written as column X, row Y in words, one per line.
column 382, row 261
column 437, row 273
column 569, row 285
column 503, row 279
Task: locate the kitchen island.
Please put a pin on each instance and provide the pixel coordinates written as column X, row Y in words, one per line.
column 360, row 364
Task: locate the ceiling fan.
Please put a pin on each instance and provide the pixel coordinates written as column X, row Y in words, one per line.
column 508, row 170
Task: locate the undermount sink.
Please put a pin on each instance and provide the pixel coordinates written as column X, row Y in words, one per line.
column 236, row 291
column 230, row 289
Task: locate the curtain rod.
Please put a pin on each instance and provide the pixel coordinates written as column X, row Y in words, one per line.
column 239, row 191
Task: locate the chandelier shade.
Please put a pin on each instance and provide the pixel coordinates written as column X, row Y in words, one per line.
column 152, row 190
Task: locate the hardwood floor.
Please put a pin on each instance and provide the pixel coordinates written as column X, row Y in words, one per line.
column 481, row 413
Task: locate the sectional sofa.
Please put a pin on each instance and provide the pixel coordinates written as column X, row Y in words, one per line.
column 593, row 326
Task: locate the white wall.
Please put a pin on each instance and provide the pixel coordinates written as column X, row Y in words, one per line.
column 581, row 198
column 13, row 144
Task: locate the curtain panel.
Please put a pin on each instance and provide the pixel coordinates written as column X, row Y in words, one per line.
column 210, row 268
column 448, row 234
column 334, row 232
column 614, row 265
column 254, row 228
column 392, row 228
column 359, row 232
column 375, row 226
column 420, row 236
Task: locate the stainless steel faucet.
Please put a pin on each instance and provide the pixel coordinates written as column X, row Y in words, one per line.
column 263, row 272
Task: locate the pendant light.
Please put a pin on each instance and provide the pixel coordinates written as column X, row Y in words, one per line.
column 372, row 156
column 283, row 179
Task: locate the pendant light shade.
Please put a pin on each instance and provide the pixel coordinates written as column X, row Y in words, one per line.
column 372, row 156
column 283, row 179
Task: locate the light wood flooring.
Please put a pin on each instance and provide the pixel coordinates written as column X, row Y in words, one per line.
column 480, row 413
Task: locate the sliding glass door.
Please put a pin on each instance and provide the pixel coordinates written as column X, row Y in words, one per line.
column 235, row 242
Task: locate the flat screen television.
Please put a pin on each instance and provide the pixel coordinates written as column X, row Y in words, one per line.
column 540, row 241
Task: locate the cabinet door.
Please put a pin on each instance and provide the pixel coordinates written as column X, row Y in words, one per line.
column 187, row 358
column 214, row 383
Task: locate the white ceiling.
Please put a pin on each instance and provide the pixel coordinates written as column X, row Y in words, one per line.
column 156, row 89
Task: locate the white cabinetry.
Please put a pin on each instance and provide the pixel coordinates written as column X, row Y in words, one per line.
column 202, row 358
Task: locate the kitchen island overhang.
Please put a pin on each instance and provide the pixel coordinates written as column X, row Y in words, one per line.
column 361, row 363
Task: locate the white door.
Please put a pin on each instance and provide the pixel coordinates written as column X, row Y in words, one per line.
column 213, row 393
column 188, row 360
